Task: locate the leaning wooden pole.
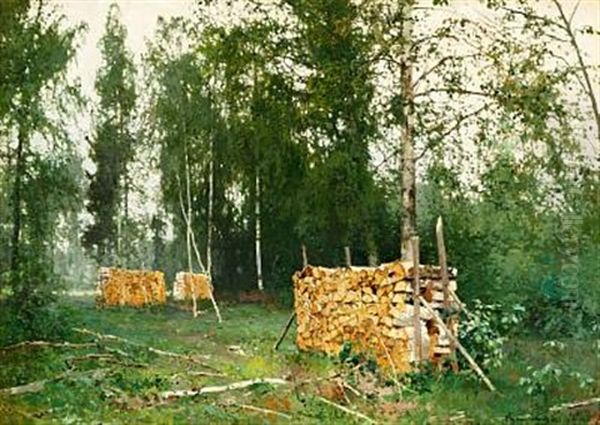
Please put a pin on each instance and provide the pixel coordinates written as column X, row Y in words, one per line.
column 460, row 347
column 348, row 256
column 192, row 238
column 290, row 320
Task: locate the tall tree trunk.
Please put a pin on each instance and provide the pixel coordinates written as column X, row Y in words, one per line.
column 19, row 171
column 189, row 228
column 209, row 229
column 259, row 278
column 409, row 186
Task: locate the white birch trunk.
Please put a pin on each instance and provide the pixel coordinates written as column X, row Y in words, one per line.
column 210, row 212
column 189, row 229
column 408, row 148
column 259, row 278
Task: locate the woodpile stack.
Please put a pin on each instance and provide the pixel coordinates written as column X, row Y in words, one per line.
column 136, row 288
column 187, row 284
column 373, row 309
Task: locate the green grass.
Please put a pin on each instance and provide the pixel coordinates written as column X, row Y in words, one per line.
column 241, row 347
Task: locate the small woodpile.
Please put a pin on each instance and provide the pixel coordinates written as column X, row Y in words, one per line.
column 373, row 309
column 136, row 288
column 187, row 284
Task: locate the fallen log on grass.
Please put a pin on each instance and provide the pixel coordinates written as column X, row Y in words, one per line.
column 222, row 388
column 575, row 404
column 45, row 344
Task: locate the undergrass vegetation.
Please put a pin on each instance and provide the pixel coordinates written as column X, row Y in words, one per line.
column 117, row 382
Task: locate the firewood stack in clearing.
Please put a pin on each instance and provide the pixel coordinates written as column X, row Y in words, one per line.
column 373, row 309
column 136, row 288
column 186, row 284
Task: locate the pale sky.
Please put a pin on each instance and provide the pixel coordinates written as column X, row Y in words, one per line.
column 140, row 16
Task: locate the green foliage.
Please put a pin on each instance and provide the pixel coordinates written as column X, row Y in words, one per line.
column 39, row 180
column 487, row 329
column 112, row 148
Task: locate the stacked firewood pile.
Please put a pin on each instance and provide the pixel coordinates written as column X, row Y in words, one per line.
column 136, row 288
column 187, row 284
column 372, row 308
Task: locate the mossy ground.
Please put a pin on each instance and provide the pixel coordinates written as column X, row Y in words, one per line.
column 241, row 348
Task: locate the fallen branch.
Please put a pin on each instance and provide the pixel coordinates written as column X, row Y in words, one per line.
column 39, row 344
column 460, row 347
column 263, row 410
column 575, row 404
column 346, row 410
column 156, row 351
column 37, row 386
column 222, row 388
column 209, row 374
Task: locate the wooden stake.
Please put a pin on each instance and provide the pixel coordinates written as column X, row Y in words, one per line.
column 416, row 298
column 439, row 232
column 304, row 256
column 462, row 349
column 348, row 256
column 285, row 331
column 441, row 246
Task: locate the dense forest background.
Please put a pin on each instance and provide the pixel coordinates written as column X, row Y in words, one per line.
column 303, row 122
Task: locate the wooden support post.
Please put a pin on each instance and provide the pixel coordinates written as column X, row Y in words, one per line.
column 416, row 300
column 462, row 349
column 348, row 256
column 441, row 247
column 439, row 232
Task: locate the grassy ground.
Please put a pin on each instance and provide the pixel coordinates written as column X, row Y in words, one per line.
column 125, row 386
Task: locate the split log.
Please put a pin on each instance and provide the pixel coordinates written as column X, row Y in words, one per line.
column 372, row 308
column 135, row 288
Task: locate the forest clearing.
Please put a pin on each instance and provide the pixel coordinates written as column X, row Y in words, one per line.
column 300, row 211
column 126, row 385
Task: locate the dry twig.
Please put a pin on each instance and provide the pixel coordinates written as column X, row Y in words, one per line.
column 40, row 344
column 346, row 410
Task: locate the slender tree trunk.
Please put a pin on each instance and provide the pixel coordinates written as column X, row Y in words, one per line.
column 259, row 278
column 189, row 234
column 408, row 149
column 209, row 230
column 589, row 87
column 19, row 171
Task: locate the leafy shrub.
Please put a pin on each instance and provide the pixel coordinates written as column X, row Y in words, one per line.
column 486, row 330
